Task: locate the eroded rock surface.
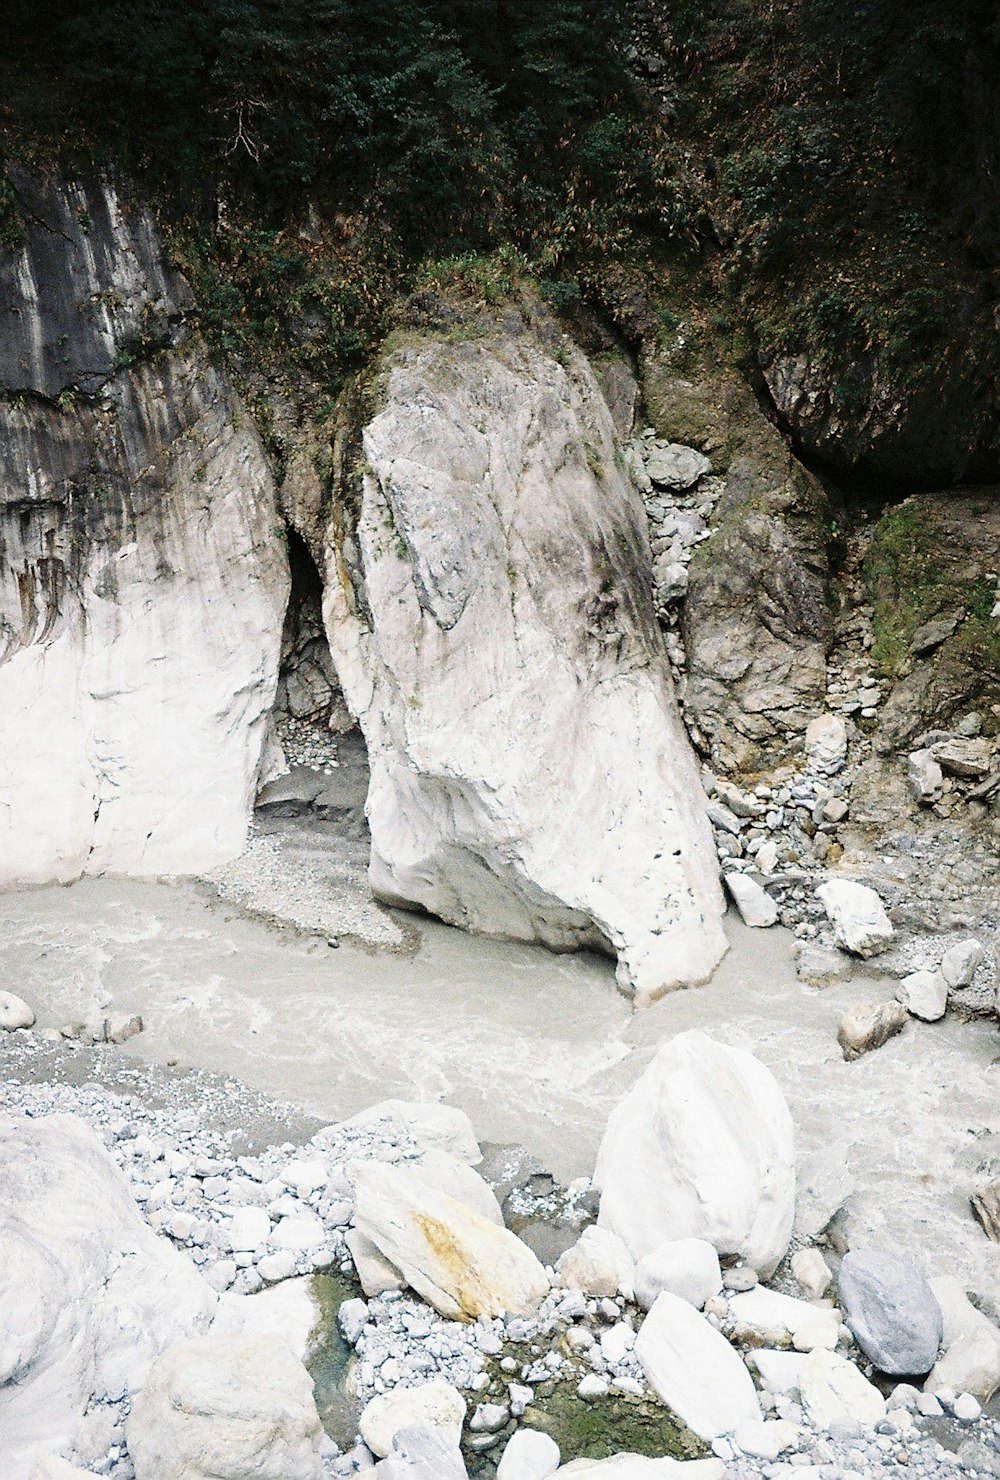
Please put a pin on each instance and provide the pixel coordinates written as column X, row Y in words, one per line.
column 531, row 776
column 142, row 574
column 90, row 1296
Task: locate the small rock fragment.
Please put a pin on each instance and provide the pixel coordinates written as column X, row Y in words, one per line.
column 924, row 994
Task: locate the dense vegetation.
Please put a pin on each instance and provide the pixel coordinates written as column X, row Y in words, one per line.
column 733, row 176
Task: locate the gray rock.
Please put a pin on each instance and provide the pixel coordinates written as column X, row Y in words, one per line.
column 820, row 966
column 669, row 465
column 422, row 1453
column 931, row 635
column 892, row 1312
column 986, row 1206
column 967, row 758
column 924, row 777
column 958, row 965
column 868, row 1025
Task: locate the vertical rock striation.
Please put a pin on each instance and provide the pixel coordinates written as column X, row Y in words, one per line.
column 531, row 776
column 143, row 579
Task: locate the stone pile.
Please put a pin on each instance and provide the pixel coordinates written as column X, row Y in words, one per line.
column 659, row 1306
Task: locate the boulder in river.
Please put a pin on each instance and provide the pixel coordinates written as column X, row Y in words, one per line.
column 860, row 923
column 531, row 776
column 869, row 1025
column 701, row 1147
column 434, row 1404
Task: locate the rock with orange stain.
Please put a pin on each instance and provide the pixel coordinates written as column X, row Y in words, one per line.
column 461, row 1262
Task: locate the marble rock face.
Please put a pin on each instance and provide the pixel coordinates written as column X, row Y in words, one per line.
column 701, row 1147
column 90, row 1296
column 143, row 577
column 530, row 773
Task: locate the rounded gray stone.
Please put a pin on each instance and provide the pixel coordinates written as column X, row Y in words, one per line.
column 892, row 1312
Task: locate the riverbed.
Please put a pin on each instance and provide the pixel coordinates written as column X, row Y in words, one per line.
column 536, row 1048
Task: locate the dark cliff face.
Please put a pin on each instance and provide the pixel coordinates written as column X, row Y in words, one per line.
column 87, row 292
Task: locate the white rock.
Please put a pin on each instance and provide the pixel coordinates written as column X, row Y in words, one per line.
column 90, row 1296
column 352, row 1318
column 477, row 535
column 701, row 1147
column 140, row 657
column 860, row 923
column 812, row 1273
column 971, row 1360
column 755, row 905
column 459, row 1261
column 226, row 1406
column 275, row 1267
column 598, row 1264
column 767, row 1438
column 958, row 965
column 249, row 1228
column 446, row 1173
column 429, row 1125
column 833, row 1390
column 638, row 1467
column 14, row 1013
column 434, row 1404
column 826, row 743
column 694, row 1369
column 287, row 1314
column 305, row 1176
column 374, row 1271
column 529, row 1455
column 780, row 1371
column 299, row 1232
column 924, row 994
column 966, row 1409
column 688, row 1267
column 773, row 1316
column 616, row 1342
column 422, row 1452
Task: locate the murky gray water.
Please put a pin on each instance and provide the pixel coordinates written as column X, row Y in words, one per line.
column 536, row 1048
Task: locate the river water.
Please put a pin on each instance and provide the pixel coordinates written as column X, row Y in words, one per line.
column 535, row 1048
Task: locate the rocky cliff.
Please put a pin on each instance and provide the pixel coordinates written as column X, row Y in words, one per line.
column 143, row 577
column 531, row 776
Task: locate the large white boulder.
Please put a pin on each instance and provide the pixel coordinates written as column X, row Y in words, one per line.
column 90, row 1296
column 143, row 577
column 226, row 1408
column 459, row 1261
column 530, row 773
column 860, row 923
column 695, row 1370
column 436, row 1405
column 701, row 1147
